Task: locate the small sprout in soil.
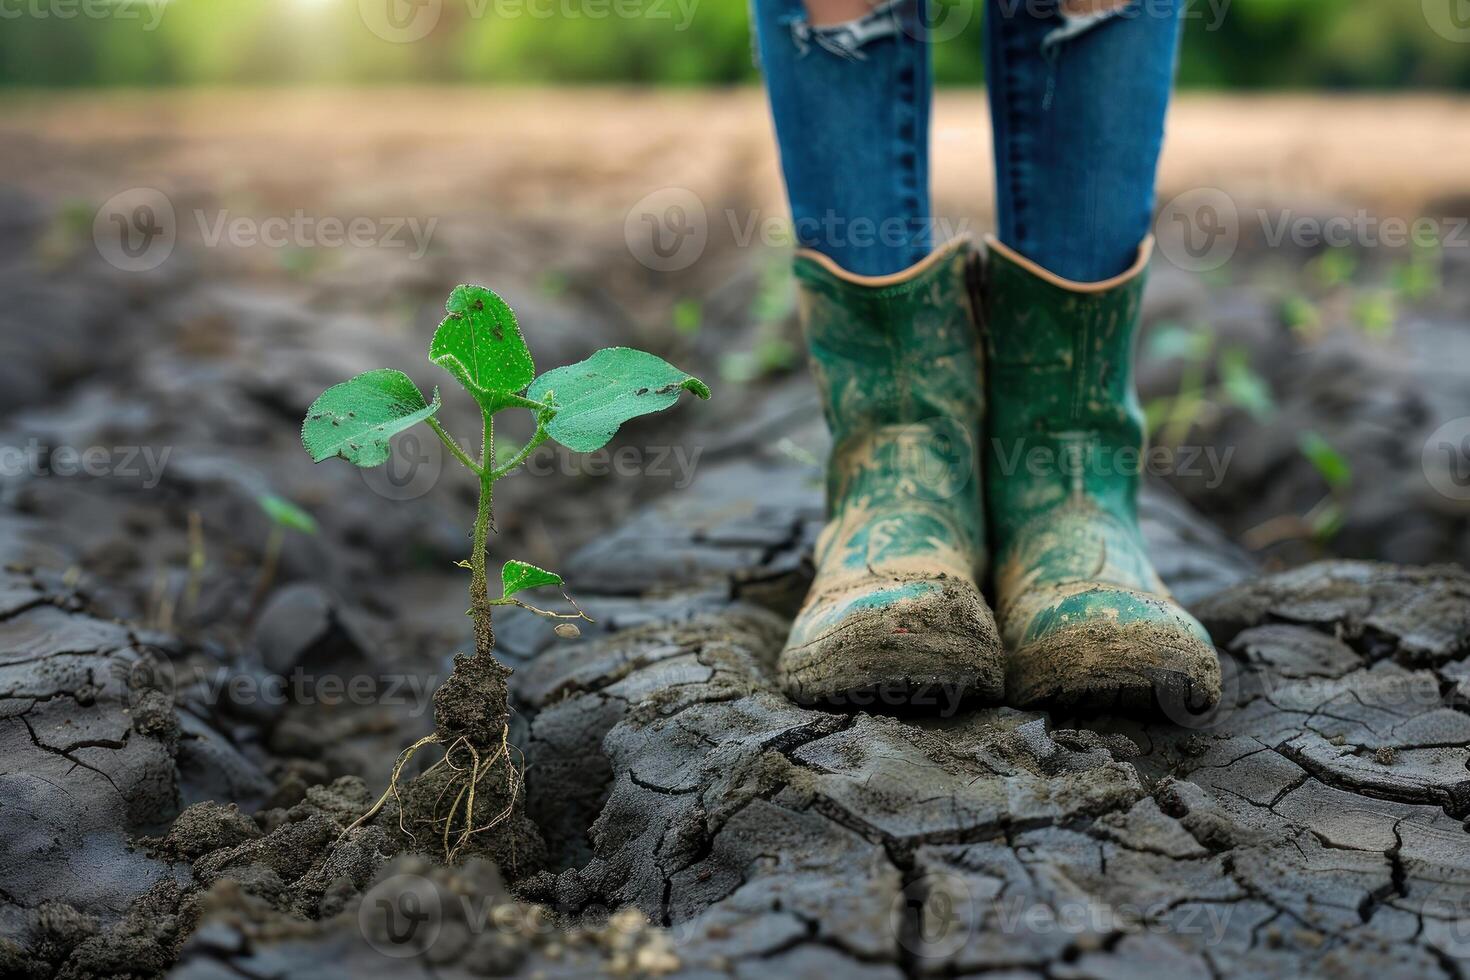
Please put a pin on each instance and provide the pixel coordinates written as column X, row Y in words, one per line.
column 284, row 516
column 1334, row 267
column 1302, row 317
column 1322, row 522
column 580, row 406
column 1375, row 315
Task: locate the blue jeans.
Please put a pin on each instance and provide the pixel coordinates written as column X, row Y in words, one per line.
column 1077, row 108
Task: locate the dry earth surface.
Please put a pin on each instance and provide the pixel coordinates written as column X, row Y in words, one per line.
column 181, row 749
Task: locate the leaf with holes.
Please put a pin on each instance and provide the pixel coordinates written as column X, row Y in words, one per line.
column 596, row 396
column 480, row 343
column 517, row 576
column 357, row 418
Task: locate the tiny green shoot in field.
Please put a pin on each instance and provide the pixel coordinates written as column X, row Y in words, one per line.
column 479, row 343
column 284, row 516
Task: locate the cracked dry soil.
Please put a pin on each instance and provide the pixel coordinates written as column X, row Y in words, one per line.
column 1312, row 824
column 161, row 816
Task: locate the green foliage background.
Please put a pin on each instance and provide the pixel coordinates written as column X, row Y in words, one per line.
column 1363, row 44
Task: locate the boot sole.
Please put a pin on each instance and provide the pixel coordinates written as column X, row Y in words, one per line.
column 1139, row 668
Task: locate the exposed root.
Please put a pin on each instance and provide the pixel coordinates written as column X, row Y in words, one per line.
column 392, row 789
column 455, row 826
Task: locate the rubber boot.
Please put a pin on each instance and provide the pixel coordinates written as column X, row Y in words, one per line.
column 894, row 615
column 1085, row 619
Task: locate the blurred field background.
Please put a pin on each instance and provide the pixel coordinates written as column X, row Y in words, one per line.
column 537, row 141
column 1236, row 44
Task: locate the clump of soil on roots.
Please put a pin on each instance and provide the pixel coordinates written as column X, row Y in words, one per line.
column 470, row 802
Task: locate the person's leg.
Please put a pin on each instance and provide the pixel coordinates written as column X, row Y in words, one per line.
column 1077, row 104
column 895, row 608
column 1079, row 114
column 850, row 99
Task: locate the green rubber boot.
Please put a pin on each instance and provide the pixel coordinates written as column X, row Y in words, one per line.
column 1086, row 621
column 895, row 614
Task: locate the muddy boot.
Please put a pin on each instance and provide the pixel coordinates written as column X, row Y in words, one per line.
column 895, row 616
column 1085, row 619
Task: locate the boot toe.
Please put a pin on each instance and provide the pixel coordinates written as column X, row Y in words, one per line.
column 1111, row 649
column 936, row 646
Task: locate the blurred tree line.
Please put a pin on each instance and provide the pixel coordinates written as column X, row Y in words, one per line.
column 1249, row 44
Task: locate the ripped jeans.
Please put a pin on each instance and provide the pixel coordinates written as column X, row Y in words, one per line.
column 1077, row 109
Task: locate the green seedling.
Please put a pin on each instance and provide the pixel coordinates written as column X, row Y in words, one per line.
column 1420, row 278
column 1302, row 317
column 772, row 353
column 171, row 610
column 1243, row 387
column 580, row 406
column 284, row 516
column 1171, row 418
column 688, row 317
column 1321, row 523
column 1334, row 267
column 1375, row 315
column 1325, row 519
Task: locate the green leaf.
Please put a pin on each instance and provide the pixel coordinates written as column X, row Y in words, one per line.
column 480, row 344
column 1335, row 266
column 1243, row 386
column 688, row 315
column 594, row 397
column 1173, row 340
column 1375, row 314
column 516, row 576
column 1330, row 464
column 357, row 418
column 286, row 514
column 1301, row 315
column 1328, row 522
